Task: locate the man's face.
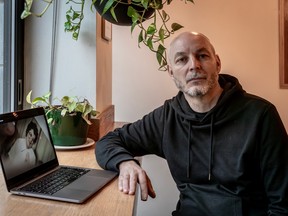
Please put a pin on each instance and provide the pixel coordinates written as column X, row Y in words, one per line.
column 194, row 65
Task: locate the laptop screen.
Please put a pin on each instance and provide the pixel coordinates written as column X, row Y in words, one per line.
column 25, row 145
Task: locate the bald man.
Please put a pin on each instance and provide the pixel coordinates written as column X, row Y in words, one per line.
column 226, row 149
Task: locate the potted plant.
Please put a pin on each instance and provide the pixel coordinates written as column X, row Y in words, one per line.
column 68, row 121
column 152, row 35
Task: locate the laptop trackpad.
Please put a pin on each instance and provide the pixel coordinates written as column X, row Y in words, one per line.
column 87, row 184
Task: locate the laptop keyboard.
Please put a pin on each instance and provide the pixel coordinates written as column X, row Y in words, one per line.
column 55, row 181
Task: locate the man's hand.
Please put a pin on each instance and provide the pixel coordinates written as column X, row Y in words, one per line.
column 130, row 174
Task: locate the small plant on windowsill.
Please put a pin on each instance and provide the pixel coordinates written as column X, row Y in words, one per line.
column 69, row 105
column 152, row 35
column 69, row 120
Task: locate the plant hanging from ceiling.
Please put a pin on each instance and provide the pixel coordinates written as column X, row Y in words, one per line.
column 153, row 32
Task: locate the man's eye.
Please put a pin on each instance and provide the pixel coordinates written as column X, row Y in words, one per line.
column 203, row 56
column 180, row 60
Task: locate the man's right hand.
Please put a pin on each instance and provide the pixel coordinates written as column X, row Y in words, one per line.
column 130, row 174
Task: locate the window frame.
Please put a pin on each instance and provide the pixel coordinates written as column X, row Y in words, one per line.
column 13, row 68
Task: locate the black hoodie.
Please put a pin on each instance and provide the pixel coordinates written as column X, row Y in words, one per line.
column 232, row 160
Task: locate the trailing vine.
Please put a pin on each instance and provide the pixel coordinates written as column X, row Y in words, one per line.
column 153, row 36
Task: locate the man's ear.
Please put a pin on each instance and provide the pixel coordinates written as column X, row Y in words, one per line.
column 218, row 62
column 170, row 72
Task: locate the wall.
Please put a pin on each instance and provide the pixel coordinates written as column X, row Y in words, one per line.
column 245, row 35
column 75, row 61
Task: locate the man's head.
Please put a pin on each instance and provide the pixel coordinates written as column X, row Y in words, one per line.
column 193, row 64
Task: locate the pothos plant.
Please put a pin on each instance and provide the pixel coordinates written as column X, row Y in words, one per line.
column 67, row 105
column 152, row 35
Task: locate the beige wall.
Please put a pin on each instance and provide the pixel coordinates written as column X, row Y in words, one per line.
column 245, row 35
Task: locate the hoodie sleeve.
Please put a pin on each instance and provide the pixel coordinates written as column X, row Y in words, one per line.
column 274, row 162
column 136, row 139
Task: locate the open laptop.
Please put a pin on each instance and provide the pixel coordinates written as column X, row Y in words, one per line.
column 28, row 157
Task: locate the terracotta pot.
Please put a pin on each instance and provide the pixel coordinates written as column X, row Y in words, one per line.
column 120, row 12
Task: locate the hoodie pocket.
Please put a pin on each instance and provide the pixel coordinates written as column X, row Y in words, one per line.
column 208, row 200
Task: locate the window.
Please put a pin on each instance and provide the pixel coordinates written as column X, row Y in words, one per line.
column 1, row 54
column 11, row 55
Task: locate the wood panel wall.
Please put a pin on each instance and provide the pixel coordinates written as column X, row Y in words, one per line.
column 103, row 69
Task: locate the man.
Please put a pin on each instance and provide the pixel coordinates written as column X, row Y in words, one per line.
column 227, row 150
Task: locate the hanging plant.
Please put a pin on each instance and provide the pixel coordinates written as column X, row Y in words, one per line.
column 153, row 34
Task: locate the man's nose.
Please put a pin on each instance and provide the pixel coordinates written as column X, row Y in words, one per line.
column 194, row 63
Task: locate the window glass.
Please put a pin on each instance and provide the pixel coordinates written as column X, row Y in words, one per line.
column 11, row 55
column 1, row 53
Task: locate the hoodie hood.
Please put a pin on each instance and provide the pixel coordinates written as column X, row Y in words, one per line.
column 231, row 88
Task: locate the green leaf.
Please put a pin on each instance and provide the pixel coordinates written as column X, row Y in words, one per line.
column 134, row 24
column 113, row 14
column 44, row 99
column 150, row 43
column 25, row 14
column 176, row 26
column 161, row 34
column 107, row 6
column 28, row 4
column 94, row 113
column 50, row 120
column 75, row 16
column 72, row 106
column 68, row 17
column 27, row 9
column 151, row 29
column 47, row 95
column 38, row 99
column 158, row 4
column 131, row 12
column 69, row 11
column 145, row 3
column 28, row 97
column 63, row 112
column 65, row 100
column 75, row 35
column 67, row 26
column 165, row 15
column 140, row 36
column 159, row 54
column 86, row 110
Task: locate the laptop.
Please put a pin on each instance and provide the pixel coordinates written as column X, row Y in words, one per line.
column 29, row 161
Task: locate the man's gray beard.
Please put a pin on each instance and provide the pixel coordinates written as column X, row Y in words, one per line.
column 198, row 91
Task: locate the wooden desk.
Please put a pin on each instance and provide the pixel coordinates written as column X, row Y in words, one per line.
column 108, row 202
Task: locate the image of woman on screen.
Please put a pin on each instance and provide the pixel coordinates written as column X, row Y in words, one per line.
column 21, row 155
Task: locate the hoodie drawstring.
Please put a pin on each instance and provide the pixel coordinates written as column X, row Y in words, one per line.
column 189, row 148
column 211, row 149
